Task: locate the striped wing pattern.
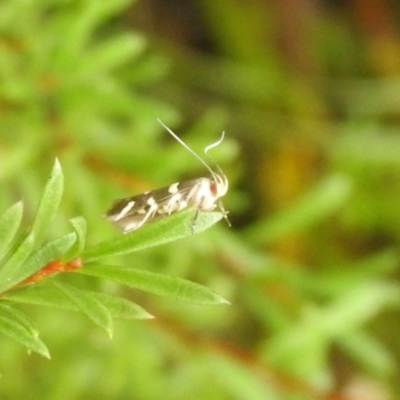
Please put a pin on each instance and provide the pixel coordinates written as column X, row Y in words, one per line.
column 131, row 213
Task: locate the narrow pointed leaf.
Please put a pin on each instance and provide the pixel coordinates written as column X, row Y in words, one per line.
column 369, row 352
column 122, row 308
column 89, row 305
column 162, row 285
column 9, row 277
column 45, row 295
column 168, row 229
column 14, row 330
column 19, row 317
column 113, row 53
column 314, row 206
column 80, row 227
column 9, row 223
column 49, row 203
column 15, row 262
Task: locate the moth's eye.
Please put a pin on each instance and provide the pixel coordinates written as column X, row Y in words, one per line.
column 213, row 188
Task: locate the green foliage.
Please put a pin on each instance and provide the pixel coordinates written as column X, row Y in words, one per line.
column 47, row 295
column 28, row 258
column 324, row 199
column 310, row 265
column 157, row 284
column 178, row 226
column 18, row 327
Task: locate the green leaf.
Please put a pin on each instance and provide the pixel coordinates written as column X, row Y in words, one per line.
column 45, row 295
column 48, row 203
column 369, row 352
column 18, row 332
column 240, row 381
column 161, row 285
column 13, row 273
column 89, row 305
column 326, row 198
column 359, row 305
column 122, row 308
column 80, row 227
column 19, row 317
column 9, row 223
column 15, row 262
column 17, row 158
column 79, row 33
column 169, row 229
column 117, row 51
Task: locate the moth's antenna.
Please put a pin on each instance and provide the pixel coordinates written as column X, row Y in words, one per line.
column 193, row 152
column 211, row 146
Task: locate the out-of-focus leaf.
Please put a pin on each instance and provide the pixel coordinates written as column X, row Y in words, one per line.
column 341, row 278
column 110, row 55
column 325, row 199
column 359, row 305
column 239, row 381
column 92, row 14
column 370, row 353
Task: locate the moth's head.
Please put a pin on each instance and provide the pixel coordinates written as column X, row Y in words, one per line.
column 221, row 185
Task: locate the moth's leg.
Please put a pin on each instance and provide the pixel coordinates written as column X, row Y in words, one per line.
column 194, row 220
column 220, row 206
column 224, row 213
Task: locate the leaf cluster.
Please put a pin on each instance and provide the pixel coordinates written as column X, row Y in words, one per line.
column 311, row 263
column 25, row 261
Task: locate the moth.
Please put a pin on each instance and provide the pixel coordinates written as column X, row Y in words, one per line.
column 201, row 194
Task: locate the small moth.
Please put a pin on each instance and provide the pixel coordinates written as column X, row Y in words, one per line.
column 202, row 194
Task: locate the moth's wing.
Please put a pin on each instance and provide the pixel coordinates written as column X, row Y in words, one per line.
column 135, row 203
column 129, row 213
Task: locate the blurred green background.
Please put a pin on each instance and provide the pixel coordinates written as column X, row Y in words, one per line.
column 309, row 96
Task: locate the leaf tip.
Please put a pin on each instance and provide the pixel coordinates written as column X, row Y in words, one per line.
column 221, row 300
column 225, row 302
column 57, row 170
column 57, row 163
